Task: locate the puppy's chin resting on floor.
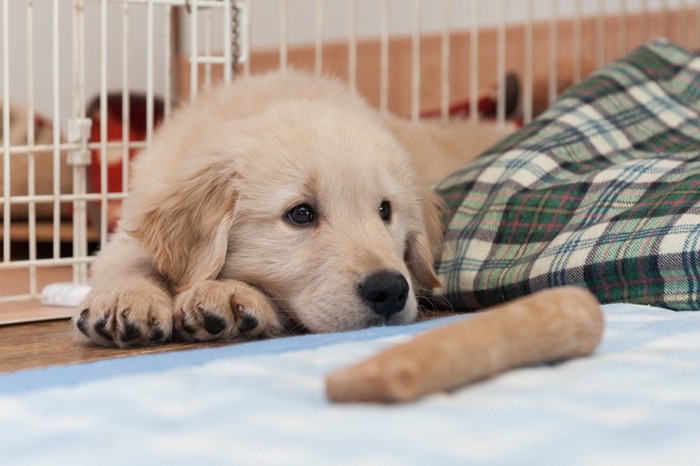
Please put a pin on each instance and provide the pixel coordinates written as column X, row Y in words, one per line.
column 281, row 198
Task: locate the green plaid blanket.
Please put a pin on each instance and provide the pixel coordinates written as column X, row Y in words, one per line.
column 602, row 191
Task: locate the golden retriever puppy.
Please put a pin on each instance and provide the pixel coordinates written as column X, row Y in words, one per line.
column 278, row 201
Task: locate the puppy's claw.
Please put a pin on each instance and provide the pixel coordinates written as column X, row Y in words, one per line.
column 130, row 333
column 248, row 322
column 126, row 317
column 188, row 328
column 157, row 335
column 80, row 323
column 101, row 329
column 224, row 310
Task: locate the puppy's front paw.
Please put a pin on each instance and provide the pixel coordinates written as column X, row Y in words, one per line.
column 132, row 316
column 223, row 310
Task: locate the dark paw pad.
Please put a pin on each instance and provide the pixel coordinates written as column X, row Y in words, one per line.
column 248, row 322
column 157, row 335
column 101, row 329
column 80, row 323
column 131, row 332
column 213, row 323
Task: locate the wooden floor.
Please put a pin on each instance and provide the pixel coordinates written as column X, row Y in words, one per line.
column 32, row 335
column 33, row 344
column 17, row 282
column 41, row 344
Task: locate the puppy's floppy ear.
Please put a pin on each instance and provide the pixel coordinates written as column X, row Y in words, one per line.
column 186, row 233
column 424, row 244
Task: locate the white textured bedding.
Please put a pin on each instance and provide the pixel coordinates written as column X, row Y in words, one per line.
column 636, row 401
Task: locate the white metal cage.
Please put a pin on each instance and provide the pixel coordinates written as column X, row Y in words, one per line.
column 137, row 59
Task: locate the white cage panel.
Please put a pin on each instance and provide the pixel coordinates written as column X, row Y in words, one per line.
column 84, row 83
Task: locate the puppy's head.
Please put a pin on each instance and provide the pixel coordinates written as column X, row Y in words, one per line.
column 318, row 206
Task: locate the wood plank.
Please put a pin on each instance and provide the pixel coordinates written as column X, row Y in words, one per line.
column 42, row 344
column 32, row 345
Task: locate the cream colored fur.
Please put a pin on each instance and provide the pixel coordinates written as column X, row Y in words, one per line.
column 204, row 249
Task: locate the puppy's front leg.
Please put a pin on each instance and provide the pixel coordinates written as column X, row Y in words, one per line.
column 130, row 303
column 224, row 310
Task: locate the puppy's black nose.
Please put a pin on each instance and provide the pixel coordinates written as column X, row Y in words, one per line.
column 385, row 292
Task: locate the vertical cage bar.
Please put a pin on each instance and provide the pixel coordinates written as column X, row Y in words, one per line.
column 527, row 57
column 104, row 205
column 207, row 48
column 415, row 62
column 150, row 98
column 318, row 39
column 600, row 35
column 552, row 80
column 229, row 67
column 6, row 131
column 578, row 59
column 246, row 65
column 684, row 20
column 384, row 58
column 474, row 61
column 168, row 60
column 622, row 32
column 126, row 98
column 56, row 135
column 665, row 19
column 501, row 63
column 79, row 170
column 31, row 139
column 352, row 46
column 445, row 61
column 194, row 39
column 645, row 19
column 284, row 33
column 697, row 24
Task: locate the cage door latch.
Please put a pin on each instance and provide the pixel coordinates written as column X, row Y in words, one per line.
column 79, row 132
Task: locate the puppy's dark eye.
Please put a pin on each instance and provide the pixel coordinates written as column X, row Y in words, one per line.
column 302, row 214
column 385, row 211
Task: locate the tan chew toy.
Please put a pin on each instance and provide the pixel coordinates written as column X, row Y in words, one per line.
column 551, row 325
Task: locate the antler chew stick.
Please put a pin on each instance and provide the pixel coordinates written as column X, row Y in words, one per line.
column 551, row 325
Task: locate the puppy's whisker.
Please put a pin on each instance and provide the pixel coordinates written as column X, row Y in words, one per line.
column 295, row 327
column 432, row 306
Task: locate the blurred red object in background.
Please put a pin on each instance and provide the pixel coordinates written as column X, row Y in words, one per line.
column 114, row 157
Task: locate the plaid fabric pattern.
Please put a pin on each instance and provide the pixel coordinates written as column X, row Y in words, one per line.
column 602, row 191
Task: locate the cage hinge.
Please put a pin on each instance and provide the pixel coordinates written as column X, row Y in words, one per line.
column 239, row 34
column 79, row 132
column 238, row 29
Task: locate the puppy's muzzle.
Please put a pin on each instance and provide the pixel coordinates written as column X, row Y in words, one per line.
column 385, row 292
